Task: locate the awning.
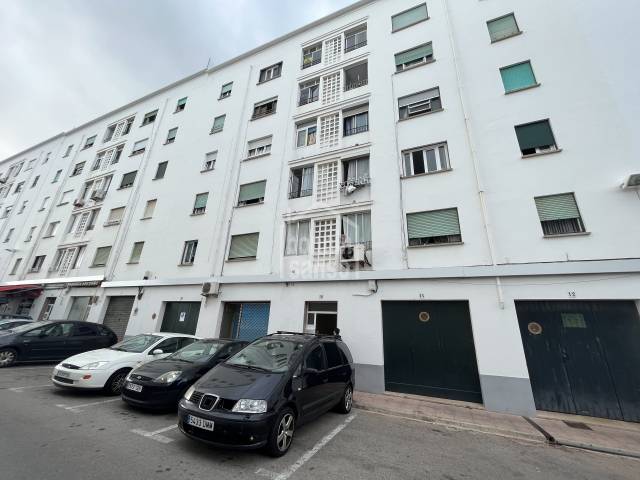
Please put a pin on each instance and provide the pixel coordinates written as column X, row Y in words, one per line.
column 22, row 291
column 19, row 288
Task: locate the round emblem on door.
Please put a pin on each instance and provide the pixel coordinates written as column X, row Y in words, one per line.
column 424, row 316
column 535, row 328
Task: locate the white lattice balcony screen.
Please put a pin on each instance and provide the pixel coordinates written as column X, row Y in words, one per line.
column 329, row 130
column 324, row 240
column 331, row 88
column 332, row 50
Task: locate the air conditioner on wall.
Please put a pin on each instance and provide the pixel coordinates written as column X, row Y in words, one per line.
column 352, row 253
column 632, row 181
column 210, row 289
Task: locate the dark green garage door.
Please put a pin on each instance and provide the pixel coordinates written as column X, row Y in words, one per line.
column 429, row 350
column 583, row 356
column 181, row 317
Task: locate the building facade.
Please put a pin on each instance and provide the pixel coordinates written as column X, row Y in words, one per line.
column 430, row 179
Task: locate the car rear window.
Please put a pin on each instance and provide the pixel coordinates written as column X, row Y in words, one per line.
column 84, row 330
column 334, row 359
column 345, row 352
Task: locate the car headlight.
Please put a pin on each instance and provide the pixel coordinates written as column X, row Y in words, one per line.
column 250, row 406
column 93, row 366
column 188, row 393
column 168, row 377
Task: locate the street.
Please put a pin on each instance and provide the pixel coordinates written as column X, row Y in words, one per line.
column 47, row 433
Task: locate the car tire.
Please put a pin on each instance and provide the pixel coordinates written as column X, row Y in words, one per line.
column 116, row 382
column 8, row 357
column 281, row 435
column 346, row 401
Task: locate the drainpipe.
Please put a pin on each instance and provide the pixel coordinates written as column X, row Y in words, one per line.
column 476, row 167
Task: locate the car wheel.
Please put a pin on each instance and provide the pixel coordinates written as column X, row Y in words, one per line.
column 8, row 356
column 346, row 402
column 116, row 382
column 282, row 432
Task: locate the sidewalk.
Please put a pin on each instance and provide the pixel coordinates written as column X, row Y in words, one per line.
column 609, row 436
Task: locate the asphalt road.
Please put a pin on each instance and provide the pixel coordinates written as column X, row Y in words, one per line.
column 47, row 433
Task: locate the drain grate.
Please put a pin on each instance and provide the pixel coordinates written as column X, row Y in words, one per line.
column 579, row 425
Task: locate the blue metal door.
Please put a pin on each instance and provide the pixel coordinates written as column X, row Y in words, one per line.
column 253, row 321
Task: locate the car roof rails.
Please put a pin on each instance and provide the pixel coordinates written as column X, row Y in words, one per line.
column 335, row 335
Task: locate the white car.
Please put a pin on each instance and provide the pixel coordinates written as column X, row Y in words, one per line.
column 107, row 368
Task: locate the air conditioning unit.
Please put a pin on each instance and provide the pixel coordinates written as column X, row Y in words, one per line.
column 210, row 289
column 352, row 253
column 98, row 195
column 632, row 181
column 78, row 202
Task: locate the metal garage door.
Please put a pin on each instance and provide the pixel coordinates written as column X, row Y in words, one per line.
column 181, row 317
column 429, row 350
column 583, row 356
column 118, row 313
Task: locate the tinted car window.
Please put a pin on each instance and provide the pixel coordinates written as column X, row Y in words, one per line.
column 103, row 330
column 136, row 344
column 184, row 341
column 52, row 330
column 334, row 359
column 197, row 351
column 315, row 359
column 272, row 354
column 345, row 352
column 83, row 330
column 36, row 326
column 170, row 345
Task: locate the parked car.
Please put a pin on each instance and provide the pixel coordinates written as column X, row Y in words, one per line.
column 259, row 396
column 52, row 340
column 107, row 368
column 9, row 323
column 14, row 316
column 161, row 383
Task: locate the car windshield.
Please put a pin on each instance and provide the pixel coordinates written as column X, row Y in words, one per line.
column 269, row 354
column 136, row 344
column 29, row 326
column 197, row 351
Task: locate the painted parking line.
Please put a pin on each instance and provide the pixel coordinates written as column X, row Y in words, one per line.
column 156, row 434
column 307, row 455
column 21, row 389
column 78, row 408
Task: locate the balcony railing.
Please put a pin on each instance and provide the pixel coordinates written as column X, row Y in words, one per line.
column 300, row 193
column 356, row 130
column 355, row 46
column 311, row 59
column 310, row 99
column 355, row 84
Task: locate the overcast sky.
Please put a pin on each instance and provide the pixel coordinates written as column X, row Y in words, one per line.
column 67, row 61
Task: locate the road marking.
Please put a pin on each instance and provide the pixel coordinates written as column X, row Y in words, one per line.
column 155, row 435
column 20, row 389
column 76, row 408
column 309, row 453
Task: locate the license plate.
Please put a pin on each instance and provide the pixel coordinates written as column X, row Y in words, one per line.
column 200, row 422
column 63, row 374
column 133, row 386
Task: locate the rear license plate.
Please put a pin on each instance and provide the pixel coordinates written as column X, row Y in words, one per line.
column 63, row 374
column 133, row 386
column 200, row 422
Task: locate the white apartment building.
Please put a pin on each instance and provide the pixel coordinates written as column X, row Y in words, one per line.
column 441, row 181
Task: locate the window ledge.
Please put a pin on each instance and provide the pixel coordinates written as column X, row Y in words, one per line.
column 98, row 266
column 531, row 155
column 417, row 65
column 262, row 116
column 124, row 188
column 426, row 173
column 222, row 98
column 133, row 154
column 178, row 111
column 48, row 236
column 521, row 89
column 421, row 115
column 577, row 234
column 207, row 170
column 196, row 214
column 520, row 32
column 132, row 263
column 185, row 264
column 169, row 143
column 256, row 156
column 249, row 204
column 112, row 223
column 411, row 24
column 436, row 245
column 157, row 178
column 212, row 132
column 63, row 203
column 243, row 259
column 146, row 218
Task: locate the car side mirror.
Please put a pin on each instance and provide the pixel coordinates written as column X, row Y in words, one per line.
column 157, row 351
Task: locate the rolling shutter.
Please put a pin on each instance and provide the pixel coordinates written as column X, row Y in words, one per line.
column 409, row 17
column 517, row 77
column 436, row 223
column 414, row 54
column 557, row 207
column 534, row 135
column 502, row 27
column 244, row 246
column 252, row 191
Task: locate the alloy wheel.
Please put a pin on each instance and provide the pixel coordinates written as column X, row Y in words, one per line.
column 118, row 382
column 7, row 357
column 348, row 398
column 285, row 431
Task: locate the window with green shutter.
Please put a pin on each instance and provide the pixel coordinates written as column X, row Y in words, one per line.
column 416, row 56
column 559, row 214
column 136, row 252
column 503, row 27
column 434, row 227
column 200, row 205
column 536, row 137
column 225, row 91
column 101, row 256
column 244, row 246
column 518, row 77
column 218, row 124
column 128, row 179
column 409, row 17
column 251, row 193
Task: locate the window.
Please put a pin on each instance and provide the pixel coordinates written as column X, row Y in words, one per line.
column 264, row 108
column 309, row 92
column 149, row 208
column 189, row 252
column 210, row 161
column 355, row 38
column 66, row 197
column 297, row 240
column 23, row 206
column 301, row 182
column 409, row 17
column 356, row 229
column 57, row 176
column 149, row 118
column 269, row 73
column 559, row 214
column 18, row 167
column 90, row 141
column 45, row 203
column 77, row 255
column 171, row 135
column 322, row 317
column 101, row 256
column 307, row 134
column 536, row 137
column 35, row 181
column 244, row 246
column 118, row 129
column 334, row 359
column 356, row 121
column 136, row 252
column 420, row 103
column 434, row 227
column 160, row 170
column 356, row 76
column 200, row 205
column 37, row 263
column 128, row 179
column 503, row 27
column 356, row 172
column 32, row 231
column 315, row 360
column 19, row 187
column 251, row 193
column 107, row 157
column 46, row 158
column 518, row 77
column 413, row 57
column 16, row 266
column 218, row 124
column 92, row 219
column 139, row 147
column 225, row 91
column 52, row 229
column 311, row 55
column 31, row 164
column 68, row 151
column 9, row 235
column 115, row 216
column 7, row 211
column 77, row 169
column 432, row 158
column 261, row 146
column 181, row 105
